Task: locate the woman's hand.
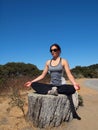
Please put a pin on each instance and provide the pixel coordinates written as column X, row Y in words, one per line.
column 28, row 84
column 77, row 87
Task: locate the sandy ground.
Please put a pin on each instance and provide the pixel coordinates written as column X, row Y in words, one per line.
column 11, row 118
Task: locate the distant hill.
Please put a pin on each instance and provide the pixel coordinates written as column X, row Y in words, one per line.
column 86, row 71
column 13, row 69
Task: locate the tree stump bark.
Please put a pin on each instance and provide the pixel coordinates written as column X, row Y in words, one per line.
column 48, row 110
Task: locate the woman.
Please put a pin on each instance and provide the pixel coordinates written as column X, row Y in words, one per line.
column 56, row 66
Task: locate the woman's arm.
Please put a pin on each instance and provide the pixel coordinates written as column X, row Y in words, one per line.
column 40, row 77
column 69, row 74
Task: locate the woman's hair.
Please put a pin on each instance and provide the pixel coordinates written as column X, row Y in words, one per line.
column 58, row 47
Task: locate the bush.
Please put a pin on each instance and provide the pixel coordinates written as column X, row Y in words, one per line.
column 80, row 100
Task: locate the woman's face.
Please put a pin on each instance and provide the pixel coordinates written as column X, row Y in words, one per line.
column 55, row 51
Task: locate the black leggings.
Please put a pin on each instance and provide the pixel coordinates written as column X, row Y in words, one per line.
column 42, row 88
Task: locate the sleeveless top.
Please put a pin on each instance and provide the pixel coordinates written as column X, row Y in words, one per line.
column 56, row 73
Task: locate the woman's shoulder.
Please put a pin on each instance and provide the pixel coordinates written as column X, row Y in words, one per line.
column 48, row 62
column 64, row 61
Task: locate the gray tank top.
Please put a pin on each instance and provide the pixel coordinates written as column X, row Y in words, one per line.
column 56, row 73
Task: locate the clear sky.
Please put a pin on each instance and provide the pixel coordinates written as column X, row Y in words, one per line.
column 29, row 27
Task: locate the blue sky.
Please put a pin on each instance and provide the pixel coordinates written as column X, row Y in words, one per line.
column 29, row 27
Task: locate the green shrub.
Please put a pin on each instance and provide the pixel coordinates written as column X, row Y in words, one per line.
column 80, row 100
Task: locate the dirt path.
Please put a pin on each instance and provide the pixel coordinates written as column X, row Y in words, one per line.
column 88, row 112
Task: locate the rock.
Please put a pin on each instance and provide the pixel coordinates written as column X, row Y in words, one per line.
column 48, row 110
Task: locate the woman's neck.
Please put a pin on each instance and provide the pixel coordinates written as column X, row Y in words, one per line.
column 55, row 58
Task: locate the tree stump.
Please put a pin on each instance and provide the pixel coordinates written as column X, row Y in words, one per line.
column 48, row 110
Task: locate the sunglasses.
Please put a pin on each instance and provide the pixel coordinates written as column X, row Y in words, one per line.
column 55, row 50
